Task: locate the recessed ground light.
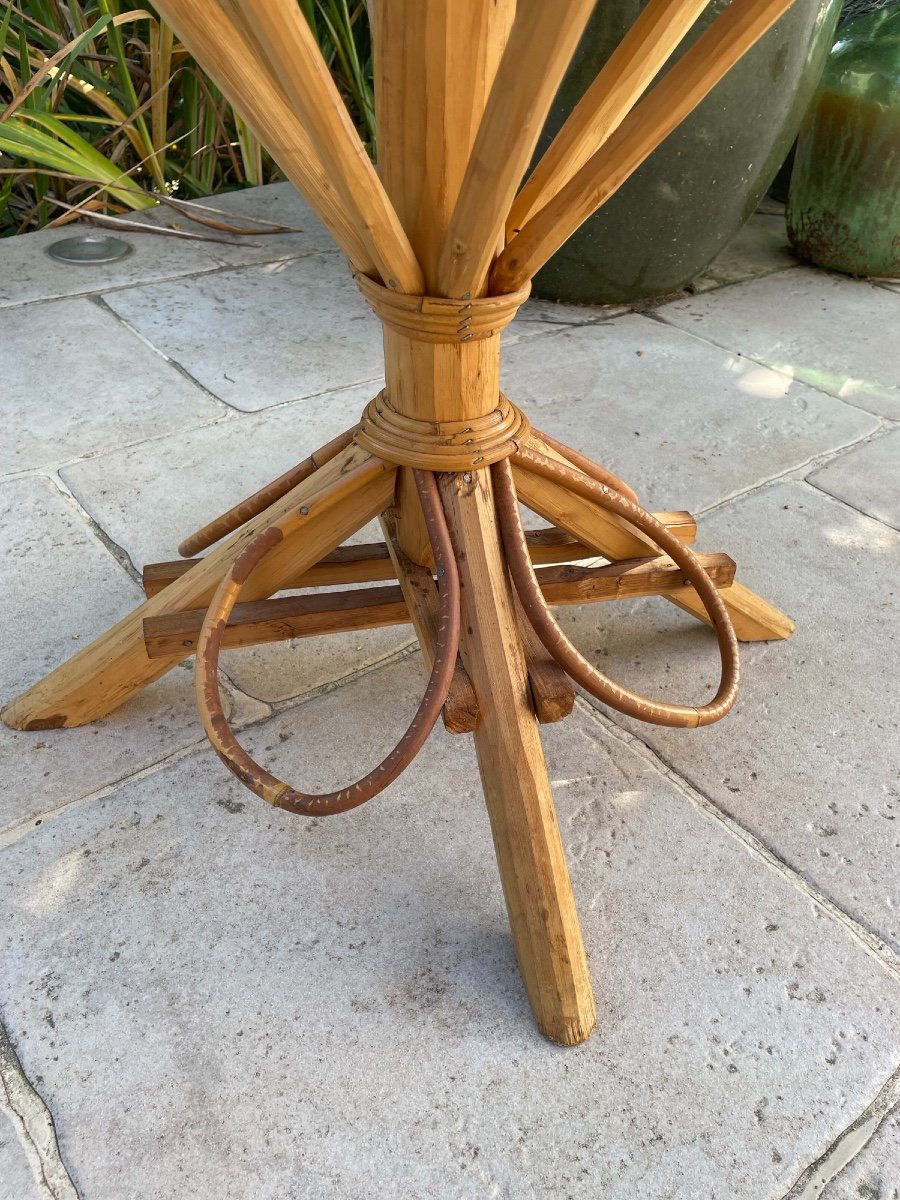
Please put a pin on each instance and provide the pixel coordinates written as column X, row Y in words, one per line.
column 90, row 248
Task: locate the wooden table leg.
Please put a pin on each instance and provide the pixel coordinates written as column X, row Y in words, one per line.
column 514, row 776
column 115, row 666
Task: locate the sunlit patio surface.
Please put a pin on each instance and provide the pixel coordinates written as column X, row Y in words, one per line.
column 203, row 997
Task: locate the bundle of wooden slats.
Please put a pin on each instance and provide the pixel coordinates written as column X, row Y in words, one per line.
column 263, row 56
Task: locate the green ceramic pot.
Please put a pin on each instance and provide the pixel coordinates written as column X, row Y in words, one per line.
column 687, row 201
column 844, row 207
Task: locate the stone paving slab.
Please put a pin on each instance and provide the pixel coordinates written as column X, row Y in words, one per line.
column 808, row 760
column 827, row 330
column 866, row 477
column 547, row 313
column 17, row 1181
column 147, row 498
column 150, row 496
column 262, row 335
column 27, row 273
column 61, row 587
column 76, row 381
column 760, row 248
column 686, row 423
column 281, row 202
column 875, row 1173
column 260, row 1004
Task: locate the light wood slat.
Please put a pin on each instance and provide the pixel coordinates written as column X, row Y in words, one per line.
column 286, row 42
column 285, row 617
column 261, row 621
column 220, row 48
column 563, row 583
column 341, row 496
column 623, row 79
column 609, row 535
column 370, row 562
column 681, row 523
column 435, row 62
column 753, row 618
column 239, row 514
column 460, row 711
column 542, row 41
column 366, row 563
column 628, row 579
column 517, row 790
column 730, row 36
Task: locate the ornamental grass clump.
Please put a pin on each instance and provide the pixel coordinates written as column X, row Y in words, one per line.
column 102, row 110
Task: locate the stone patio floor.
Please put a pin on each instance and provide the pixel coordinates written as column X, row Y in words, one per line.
column 204, row 998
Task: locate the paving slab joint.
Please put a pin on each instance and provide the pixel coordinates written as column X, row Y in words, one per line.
column 99, row 301
column 847, row 1145
column 34, row 1125
column 122, row 557
column 14, row 832
column 867, row 938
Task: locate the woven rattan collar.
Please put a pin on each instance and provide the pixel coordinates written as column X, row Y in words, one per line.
column 439, row 319
column 453, row 327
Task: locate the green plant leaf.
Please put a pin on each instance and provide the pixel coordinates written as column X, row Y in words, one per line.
column 53, row 145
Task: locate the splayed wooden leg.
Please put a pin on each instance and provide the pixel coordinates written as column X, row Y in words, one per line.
column 517, row 791
column 116, row 666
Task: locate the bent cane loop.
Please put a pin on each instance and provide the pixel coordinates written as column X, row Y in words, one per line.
column 632, row 703
column 209, row 700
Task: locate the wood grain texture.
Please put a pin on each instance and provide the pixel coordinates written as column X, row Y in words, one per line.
column 285, row 44
column 342, row 496
column 540, row 45
column 370, row 608
column 754, row 619
column 370, row 562
column 251, row 506
column 256, row 622
column 517, row 790
column 552, row 693
column 573, row 584
column 692, row 78
column 435, row 63
column 214, row 40
column 367, row 562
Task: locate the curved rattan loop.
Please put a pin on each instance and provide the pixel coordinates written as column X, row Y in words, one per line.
column 209, row 701
column 632, row 703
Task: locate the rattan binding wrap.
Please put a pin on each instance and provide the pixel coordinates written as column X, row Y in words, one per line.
column 446, row 445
